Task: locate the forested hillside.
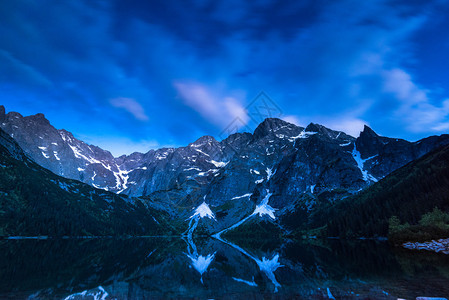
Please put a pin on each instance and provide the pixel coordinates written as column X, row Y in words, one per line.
column 408, row 193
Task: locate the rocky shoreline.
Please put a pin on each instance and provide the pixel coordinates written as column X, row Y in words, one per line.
column 439, row 246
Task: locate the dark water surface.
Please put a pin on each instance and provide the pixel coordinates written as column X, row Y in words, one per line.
column 153, row 268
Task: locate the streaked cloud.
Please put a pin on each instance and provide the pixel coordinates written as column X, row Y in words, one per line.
column 130, row 105
column 351, row 126
column 292, row 119
column 415, row 106
column 217, row 109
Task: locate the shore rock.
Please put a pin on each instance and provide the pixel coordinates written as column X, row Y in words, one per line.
column 439, row 246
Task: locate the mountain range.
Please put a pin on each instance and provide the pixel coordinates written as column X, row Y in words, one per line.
column 281, row 174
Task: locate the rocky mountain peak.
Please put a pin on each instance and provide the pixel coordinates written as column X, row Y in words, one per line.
column 367, row 131
column 326, row 132
column 40, row 119
column 13, row 115
column 66, row 135
column 368, row 136
column 246, row 136
column 204, row 140
column 369, row 143
column 269, row 125
column 2, row 113
column 313, row 127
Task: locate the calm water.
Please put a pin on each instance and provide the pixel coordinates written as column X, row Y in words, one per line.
column 153, row 268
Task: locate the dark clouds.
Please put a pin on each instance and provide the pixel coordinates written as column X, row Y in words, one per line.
column 150, row 73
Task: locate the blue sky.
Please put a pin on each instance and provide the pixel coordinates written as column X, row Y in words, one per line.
column 135, row 75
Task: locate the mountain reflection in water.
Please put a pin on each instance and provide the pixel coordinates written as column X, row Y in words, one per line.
column 137, row 268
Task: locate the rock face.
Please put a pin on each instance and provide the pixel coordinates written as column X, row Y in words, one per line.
column 382, row 155
column 301, row 168
column 439, row 246
column 61, row 153
column 11, row 146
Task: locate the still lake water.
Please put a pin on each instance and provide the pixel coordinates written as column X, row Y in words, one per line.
column 160, row 268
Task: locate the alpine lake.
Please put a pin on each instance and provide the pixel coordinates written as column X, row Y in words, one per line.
column 211, row 268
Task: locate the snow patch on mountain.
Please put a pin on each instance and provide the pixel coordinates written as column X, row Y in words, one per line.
column 121, row 178
column 193, row 168
column 254, row 171
column 161, row 156
column 56, row 155
column 206, row 173
column 269, row 173
column 96, row 294
column 219, row 164
column 203, row 211
column 360, row 163
column 264, row 209
column 198, row 150
column 303, row 135
column 78, row 154
column 242, row 196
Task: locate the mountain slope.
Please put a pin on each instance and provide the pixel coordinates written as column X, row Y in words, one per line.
column 61, row 153
column 305, row 170
column 34, row 201
column 408, row 193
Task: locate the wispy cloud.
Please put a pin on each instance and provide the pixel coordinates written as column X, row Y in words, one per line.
column 217, row 109
column 131, row 106
column 346, row 123
column 415, row 107
column 293, row 120
column 351, row 126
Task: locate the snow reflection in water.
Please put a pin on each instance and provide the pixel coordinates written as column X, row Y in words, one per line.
column 267, row 266
column 199, row 262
